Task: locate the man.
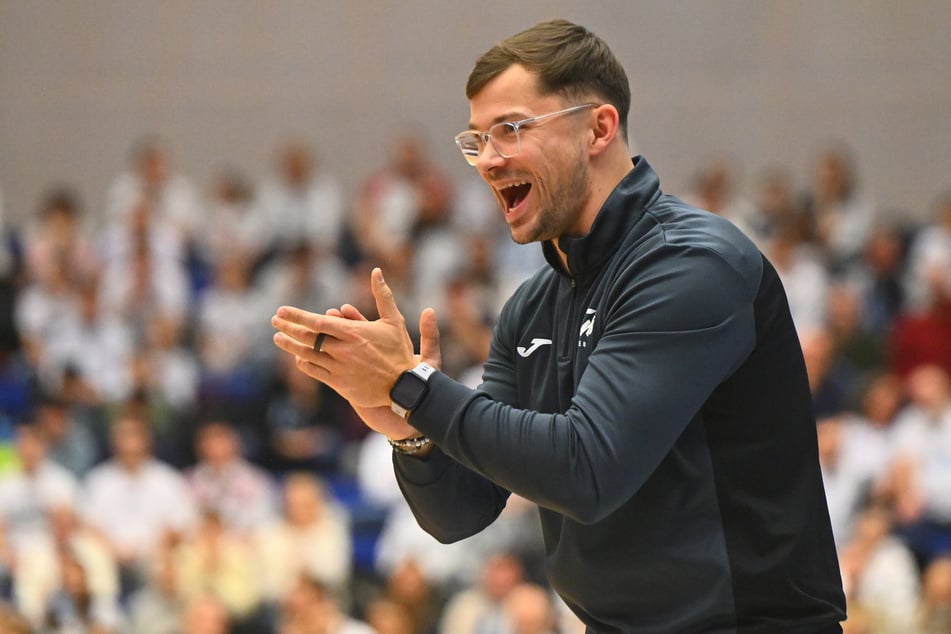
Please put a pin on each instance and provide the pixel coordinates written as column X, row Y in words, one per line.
column 223, row 481
column 137, row 503
column 647, row 390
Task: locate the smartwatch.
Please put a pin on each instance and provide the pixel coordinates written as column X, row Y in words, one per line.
column 410, row 388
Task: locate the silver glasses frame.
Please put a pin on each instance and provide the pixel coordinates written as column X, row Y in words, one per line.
column 472, row 142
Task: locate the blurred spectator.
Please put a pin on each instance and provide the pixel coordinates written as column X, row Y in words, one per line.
column 305, row 423
column 846, row 485
column 408, row 586
column 922, row 339
column 135, row 501
column 387, row 616
column 842, row 216
column 480, row 608
column 212, row 559
column 11, row 622
column 41, row 309
column 28, row 494
column 40, row 573
column 305, row 276
column 714, row 189
column 312, row 537
column 166, row 373
column 225, row 483
column 7, row 263
column 870, row 427
column 776, row 208
column 465, row 331
column 880, row 574
column 235, row 220
column 311, row 608
column 803, row 275
column 929, row 280
column 145, row 274
column 150, row 177
column 59, row 240
column 393, row 200
column 880, row 278
column 934, row 614
column 920, row 474
column 831, row 377
column 96, row 343
column 854, row 452
column 74, row 608
column 529, row 610
column 233, row 332
column 302, row 201
column 71, row 433
column 858, row 346
column 206, row 615
column 157, row 608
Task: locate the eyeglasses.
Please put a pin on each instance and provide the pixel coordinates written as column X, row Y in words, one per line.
column 504, row 136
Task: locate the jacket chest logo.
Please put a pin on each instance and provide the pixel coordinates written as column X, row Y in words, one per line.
column 536, row 344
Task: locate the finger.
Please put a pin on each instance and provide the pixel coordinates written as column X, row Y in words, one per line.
column 312, row 370
column 295, row 347
column 383, row 294
column 298, row 316
column 352, row 312
column 333, row 312
column 429, row 349
column 302, row 334
column 290, row 320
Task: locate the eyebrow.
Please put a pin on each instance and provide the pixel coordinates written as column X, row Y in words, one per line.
column 516, row 115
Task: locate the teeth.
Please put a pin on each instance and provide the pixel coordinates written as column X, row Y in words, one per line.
column 514, row 185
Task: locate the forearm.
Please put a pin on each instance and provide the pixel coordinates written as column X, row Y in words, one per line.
column 450, row 502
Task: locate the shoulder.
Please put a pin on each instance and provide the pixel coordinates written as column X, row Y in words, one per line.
column 678, row 248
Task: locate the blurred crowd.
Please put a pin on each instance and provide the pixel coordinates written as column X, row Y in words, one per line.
column 165, row 470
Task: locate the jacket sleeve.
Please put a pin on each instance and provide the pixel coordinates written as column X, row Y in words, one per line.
column 678, row 324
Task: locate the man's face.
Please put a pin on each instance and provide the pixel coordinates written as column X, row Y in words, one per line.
column 544, row 188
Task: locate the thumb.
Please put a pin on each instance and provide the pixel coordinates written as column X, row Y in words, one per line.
column 383, row 294
column 429, row 338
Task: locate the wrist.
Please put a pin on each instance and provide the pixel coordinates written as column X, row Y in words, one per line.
column 410, row 388
column 417, row 445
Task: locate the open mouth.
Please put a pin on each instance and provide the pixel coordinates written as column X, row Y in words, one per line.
column 514, row 194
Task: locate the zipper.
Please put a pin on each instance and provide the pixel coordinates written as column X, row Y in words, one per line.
column 569, row 322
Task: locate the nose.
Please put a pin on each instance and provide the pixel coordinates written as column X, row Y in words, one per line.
column 489, row 158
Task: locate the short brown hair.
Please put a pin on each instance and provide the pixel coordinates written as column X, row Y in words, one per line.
column 568, row 59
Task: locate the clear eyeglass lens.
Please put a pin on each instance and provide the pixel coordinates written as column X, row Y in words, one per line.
column 471, row 145
column 504, row 136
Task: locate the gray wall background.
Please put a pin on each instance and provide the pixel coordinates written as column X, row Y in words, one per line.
column 225, row 81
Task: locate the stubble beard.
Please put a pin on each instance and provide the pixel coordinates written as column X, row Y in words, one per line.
column 557, row 215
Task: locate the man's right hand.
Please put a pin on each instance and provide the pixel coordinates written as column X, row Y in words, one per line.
column 383, row 419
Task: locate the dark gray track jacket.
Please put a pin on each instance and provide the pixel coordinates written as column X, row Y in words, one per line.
column 653, row 402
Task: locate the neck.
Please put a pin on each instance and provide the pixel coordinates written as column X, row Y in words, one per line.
column 607, row 171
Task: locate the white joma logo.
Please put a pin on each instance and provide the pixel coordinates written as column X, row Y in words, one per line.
column 536, row 344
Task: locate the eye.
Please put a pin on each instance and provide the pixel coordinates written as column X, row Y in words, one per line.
column 505, row 132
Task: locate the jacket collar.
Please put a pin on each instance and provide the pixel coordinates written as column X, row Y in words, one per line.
column 623, row 207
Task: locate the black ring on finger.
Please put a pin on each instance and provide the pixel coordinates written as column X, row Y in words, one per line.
column 320, row 341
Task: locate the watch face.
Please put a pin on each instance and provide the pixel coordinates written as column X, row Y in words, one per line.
column 408, row 391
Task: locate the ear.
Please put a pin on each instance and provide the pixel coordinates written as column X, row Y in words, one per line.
column 606, row 128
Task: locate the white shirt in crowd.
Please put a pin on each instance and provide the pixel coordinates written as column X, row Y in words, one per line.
column 135, row 509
